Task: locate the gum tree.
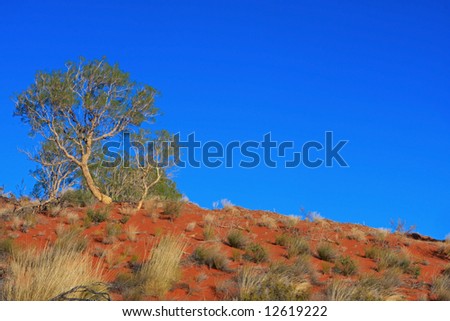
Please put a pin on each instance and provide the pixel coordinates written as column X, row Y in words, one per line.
column 78, row 108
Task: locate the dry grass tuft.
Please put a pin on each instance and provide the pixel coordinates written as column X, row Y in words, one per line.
column 40, row 275
column 190, row 227
column 162, row 269
column 267, row 221
column 131, row 232
column 356, row 234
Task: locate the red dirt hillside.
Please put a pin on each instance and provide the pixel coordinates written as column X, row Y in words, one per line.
column 233, row 253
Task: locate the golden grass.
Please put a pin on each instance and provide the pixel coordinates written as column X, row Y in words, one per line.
column 267, row 221
column 162, row 269
column 131, row 232
column 356, row 234
column 40, row 275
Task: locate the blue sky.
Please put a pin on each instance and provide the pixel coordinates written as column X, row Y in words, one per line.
column 375, row 73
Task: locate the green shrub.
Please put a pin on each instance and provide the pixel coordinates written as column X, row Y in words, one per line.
column 237, row 239
column 77, row 198
column 372, row 252
column 213, row 257
column 326, row 252
column 282, row 239
column 98, row 215
column 346, row 266
column 172, row 208
column 392, row 259
column 297, row 246
column 256, row 253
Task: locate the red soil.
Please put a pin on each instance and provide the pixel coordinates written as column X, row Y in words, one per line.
column 200, row 282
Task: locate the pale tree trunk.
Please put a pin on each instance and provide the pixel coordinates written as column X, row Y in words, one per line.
column 105, row 199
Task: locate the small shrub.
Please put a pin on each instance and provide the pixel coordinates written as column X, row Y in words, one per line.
column 326, row 252
column 237, row 239
column 209, row 219
column 112, row 231
column 392, row 259
column 54, row 211
column 346, row 266
column 356, row 234
column 256, row 253
column 98, row 215
column 282, row 239
column 213, row 257
column 72, row 217
column 290, row 222
column 77, row 198
column 236, row 255
column 267, row 221
column 372, row 252
column 297, row 246
column 127, row 210
column 172, row 208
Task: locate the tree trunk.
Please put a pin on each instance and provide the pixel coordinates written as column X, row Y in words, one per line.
column 105, row 199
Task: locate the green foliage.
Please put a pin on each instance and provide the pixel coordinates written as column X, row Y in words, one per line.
column 213, row 257
column 237, row 239
column 346, row 266
column 256, row 253
column 98, row 215
column 326, row 252
column 77, row 198
column 172, row 208
column 297, row 246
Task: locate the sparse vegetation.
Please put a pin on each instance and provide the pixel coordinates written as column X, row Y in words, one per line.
column 172, row 208
column 326, row 252
column 356, row 234
column 98, row 215
column 237, row 239
column 267, row 221
column 345, row 265
column 256, row 253
column 211, row 256
column 297, row 246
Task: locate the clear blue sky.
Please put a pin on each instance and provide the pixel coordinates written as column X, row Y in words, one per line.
column 374, row 72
